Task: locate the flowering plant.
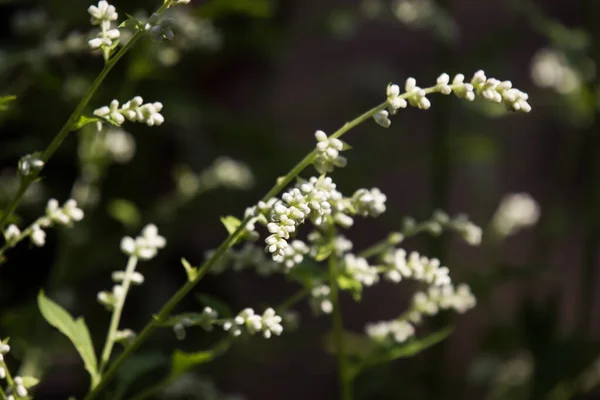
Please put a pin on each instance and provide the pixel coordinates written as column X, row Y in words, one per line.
column 294, row 202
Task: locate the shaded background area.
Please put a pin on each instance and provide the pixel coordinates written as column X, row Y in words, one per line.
column 253, row 80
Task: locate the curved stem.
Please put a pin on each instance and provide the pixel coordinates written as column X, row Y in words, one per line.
column 118, row 310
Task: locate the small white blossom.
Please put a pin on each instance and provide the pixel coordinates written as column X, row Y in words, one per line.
column 394, row 100
column 369, row 202
column 516, row 211
column 20, row 389
column 294, row 253
column 381, row 117
column 134, row 110
column 65, row 215
column 500, row 92
column 415, row 267
column 269, row 323
column 2, row 373
column 102, row 12
column 328, row 153
column 442, row 84
column 12, row 233
column 416, row 95
column 320, row 300
column 397, row 330
column 4, row 349
column 30, row 164
column 37, row 236
column 145, row 246
column 551, row 69
column 360, row 270
column 135, row 278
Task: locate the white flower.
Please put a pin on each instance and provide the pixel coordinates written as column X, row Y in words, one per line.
column 134, row 110
column 145, row 246
column 415, row 267
column 29, row 164
column 516, row 211
column 271, row 323
column 442, row 84
column 102, row 12
column 397, row 330
column 4, row 348
column 369, row 202
column 38, row 236
column 500, row 92
column 360, row 270
column 20, row 389
column 64, row 215
column 381, row 117
column 229, row 173
column 135, row 278
column 294, row 253
column 328, row 153
column 551, row 69
column 320, row 300
column 12, row 233
column 416, row 95
column 120, row 145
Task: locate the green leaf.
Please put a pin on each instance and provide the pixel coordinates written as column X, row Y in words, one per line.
column 324, row 252
column 350, row 284
column 384, row 354
column 230, row 223
column 182, row 362
column 75, row 330
column 125, row 212
column 83, row 121
column 189, row 270
column 216, row 304
column 30, row 381
column 5, row 100
column 132, row 22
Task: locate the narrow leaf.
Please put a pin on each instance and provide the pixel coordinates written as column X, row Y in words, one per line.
column 385, row 354
column 189, row 270
column 182, row 362
column 230, row 223
column 83, row 121
column 75, row 330
column 125, row 212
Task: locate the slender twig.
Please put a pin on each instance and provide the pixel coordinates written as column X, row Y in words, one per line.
column 338, row 331
column 118, row 310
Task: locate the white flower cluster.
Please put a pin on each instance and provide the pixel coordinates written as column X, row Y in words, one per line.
column 420, row 268
column 489, row 88
column 551, row 69
column 516, row 211
column 104, row 14
column 111, row 299
column 398, row 330
column 18, row 383
column 318, row 200
column 328, row 153
column 320, row 299
column 459, row 299
column 500, row 92
column 360, row 270
column 134, row 110
column 30, row 164
column 145, row 246
column 369, row 202
column 314, row 199
column 269, row 323
column 55, row 215
column 429, row 303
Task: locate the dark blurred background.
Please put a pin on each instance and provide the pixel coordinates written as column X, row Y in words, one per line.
column 253, row 80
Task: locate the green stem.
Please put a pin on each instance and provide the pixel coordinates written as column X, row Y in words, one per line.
column 338, row 332
column 116, row 317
